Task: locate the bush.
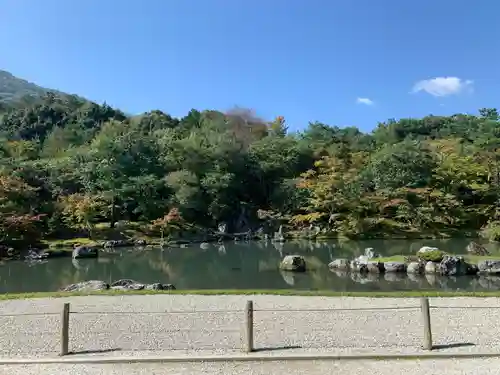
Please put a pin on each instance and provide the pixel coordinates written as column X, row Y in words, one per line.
column 432, row 256
column 491, row 231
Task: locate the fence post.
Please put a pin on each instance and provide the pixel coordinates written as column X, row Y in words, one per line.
column 65, row 330
column 248, row 340
column 424, row 303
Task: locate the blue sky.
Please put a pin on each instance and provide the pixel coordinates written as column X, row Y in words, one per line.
column 308, row 60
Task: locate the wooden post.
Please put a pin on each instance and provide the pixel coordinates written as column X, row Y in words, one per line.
column 424, row 303
column 248, row 340
column 65, row 330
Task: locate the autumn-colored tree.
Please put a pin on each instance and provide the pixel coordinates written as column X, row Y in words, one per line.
column 278, row 127
column 17, row 219
column 81, row 211
column 171, row 221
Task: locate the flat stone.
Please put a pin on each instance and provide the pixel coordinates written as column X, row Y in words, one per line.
column 339, row 264
column 394, row 267
column 490, row 267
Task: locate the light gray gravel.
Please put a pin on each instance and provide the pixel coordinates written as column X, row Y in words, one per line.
column 136, row 329
column 427, row 367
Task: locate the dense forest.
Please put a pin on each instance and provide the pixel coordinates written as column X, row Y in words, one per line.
column 67, row 165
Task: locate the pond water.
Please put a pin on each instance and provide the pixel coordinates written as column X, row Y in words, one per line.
column 252, row 265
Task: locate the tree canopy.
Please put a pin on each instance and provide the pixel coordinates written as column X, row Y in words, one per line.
column 68, row 164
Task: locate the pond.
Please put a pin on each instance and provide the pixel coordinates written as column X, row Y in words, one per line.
column 252, row 265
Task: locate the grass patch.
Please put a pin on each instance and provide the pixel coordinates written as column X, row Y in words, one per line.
column 57, row 244
column 475, row 259
column 284, row 292
column 472, row 259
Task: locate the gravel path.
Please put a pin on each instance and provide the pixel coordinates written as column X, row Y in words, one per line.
column 200, row 324
column 441, row 367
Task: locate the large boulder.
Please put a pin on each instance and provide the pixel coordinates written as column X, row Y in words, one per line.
column 81, row 252
column 127, row 284
column 87, row 286
column 6, row 251
column 117, row 243
column 476, row 249
column 453, row 266
column 357, row 266
column 159, row 286
column 375, row 267
column 339, row 264
column 472, row 269
column 370, row 253
column 416, row 268
column 431, row 268
column 294, row 263
column 430, row 254
column 489, row 267
column 391, row 267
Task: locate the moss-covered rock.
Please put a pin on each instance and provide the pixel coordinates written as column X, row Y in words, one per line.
column 430, row 254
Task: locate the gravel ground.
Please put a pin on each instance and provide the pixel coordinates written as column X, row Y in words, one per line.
column 441, row 367
column 133, row 325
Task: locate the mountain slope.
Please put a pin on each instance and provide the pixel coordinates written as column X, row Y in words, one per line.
column 13, row 88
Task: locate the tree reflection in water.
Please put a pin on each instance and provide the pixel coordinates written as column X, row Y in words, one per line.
column 242, row 265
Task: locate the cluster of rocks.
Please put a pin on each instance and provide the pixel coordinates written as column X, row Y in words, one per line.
column 123, row 243
column 428, row 260
column 6, row 251
column 125, row 285
column 92, row 251
column 82, row 252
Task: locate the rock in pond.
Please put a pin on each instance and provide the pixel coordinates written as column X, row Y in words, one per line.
column 390, row 267
column 86, row 286
column 140, row 243
column 370, row 253
column 339, row 264
column 375, row 267
column 416, row 268
column 476, row 249
column 426, row 249
column 357, row 266
column 81, row 252
column 431, row 268
column 453, row 266
column 489, row 267
column 294, row 263
column 430, row 254
column 159, row 286
column 6, row 251
column 117, row 243
column 127, row 284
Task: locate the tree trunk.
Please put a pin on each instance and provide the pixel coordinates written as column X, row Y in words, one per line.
column 112, row 213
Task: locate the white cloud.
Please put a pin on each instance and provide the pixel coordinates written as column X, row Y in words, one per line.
column 366, row 101
column 442, row 86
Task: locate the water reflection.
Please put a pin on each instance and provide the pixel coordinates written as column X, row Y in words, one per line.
column 241, row 265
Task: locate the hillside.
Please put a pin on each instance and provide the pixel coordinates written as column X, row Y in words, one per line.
column 69, row 166
column 13, row 88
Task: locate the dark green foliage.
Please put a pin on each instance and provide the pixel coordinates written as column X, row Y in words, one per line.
column 438, row 173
